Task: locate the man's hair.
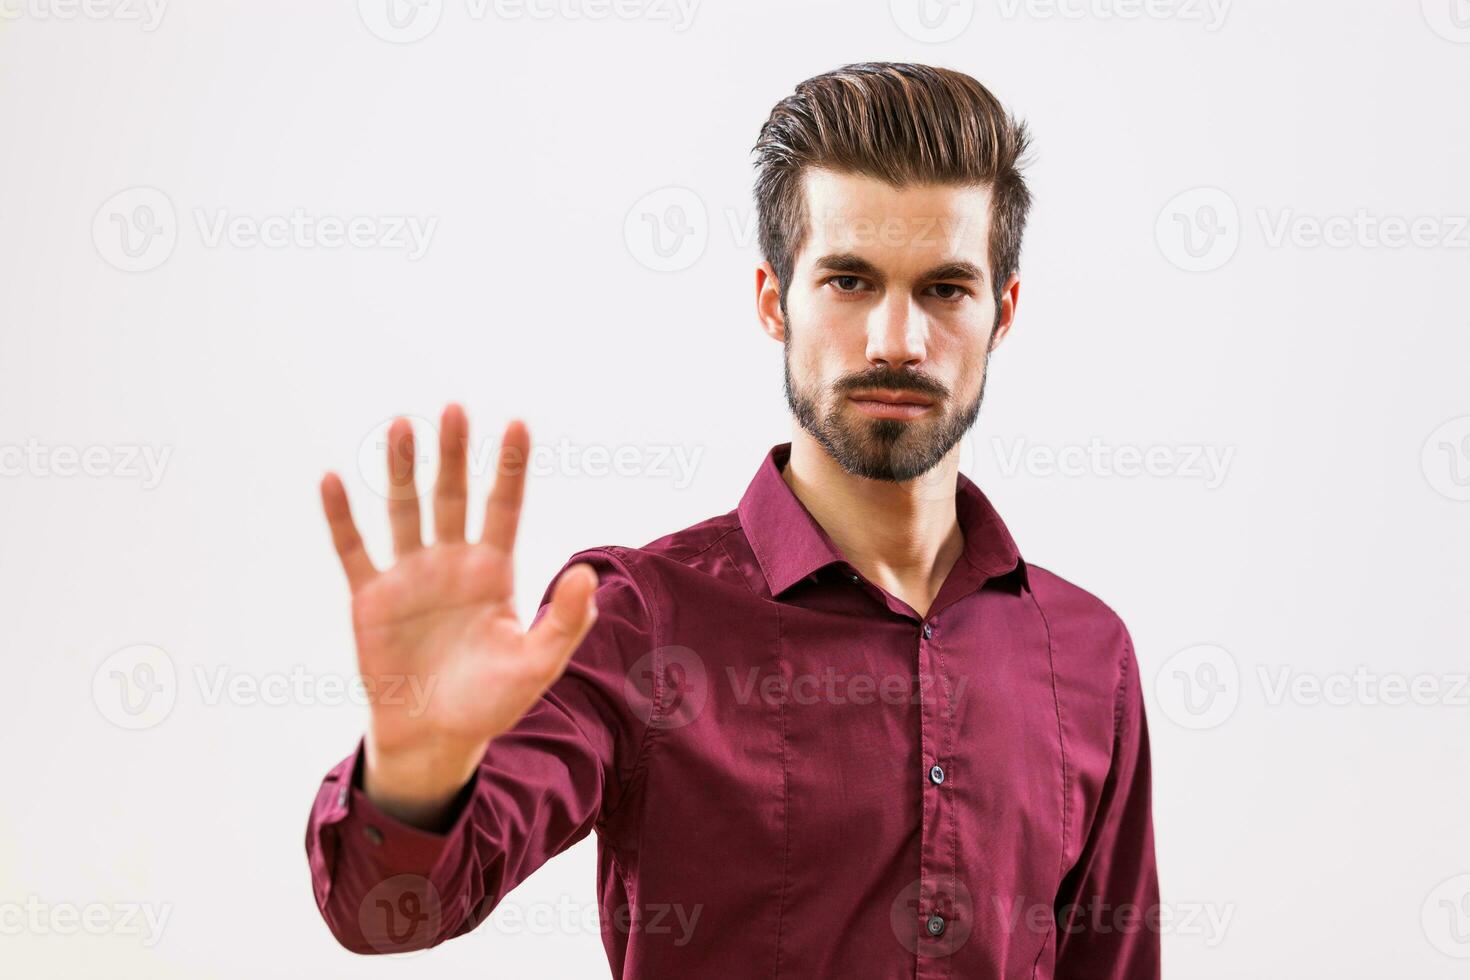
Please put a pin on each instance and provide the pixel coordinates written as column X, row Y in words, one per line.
column 905, row 124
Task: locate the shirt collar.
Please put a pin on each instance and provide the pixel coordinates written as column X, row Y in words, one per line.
column 790, row 544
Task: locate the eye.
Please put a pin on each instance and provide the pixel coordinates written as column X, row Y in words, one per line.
column 959, row 292
column 846, row 284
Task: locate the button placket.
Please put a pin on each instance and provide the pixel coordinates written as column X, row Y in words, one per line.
column 936, row 857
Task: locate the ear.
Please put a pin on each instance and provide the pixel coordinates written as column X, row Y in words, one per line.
column 1006, row 315
column 768, row 302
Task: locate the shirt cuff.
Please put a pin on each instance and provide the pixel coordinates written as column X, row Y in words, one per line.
column 394, row 846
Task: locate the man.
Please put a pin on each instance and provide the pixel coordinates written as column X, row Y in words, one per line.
column 842, row 730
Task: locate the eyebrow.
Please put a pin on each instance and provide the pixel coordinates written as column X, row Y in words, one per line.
column 850, row 264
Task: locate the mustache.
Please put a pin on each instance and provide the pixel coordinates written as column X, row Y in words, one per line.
column 911, row 381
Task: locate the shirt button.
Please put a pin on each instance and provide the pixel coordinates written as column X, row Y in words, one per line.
column 936, row 774
column 928, row 631
column 373, row 834
column 935, row 925
column 854, row 578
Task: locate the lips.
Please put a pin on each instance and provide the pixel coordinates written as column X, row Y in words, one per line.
column 891, row 398
column 890, row 404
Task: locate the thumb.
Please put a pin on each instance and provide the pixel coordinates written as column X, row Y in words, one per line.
column 570, row 614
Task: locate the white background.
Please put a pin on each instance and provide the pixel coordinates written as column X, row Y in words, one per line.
column 1329, row 832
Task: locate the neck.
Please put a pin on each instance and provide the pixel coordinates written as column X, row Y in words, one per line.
column 903, row 537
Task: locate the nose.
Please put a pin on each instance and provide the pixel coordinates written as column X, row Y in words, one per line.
column 897, row 331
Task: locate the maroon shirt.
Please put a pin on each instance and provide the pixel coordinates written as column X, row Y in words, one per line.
column 792, row 774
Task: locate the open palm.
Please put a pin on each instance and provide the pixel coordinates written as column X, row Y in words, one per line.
column 443, row 655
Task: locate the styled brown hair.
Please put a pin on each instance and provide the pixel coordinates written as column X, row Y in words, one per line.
column 900, row 123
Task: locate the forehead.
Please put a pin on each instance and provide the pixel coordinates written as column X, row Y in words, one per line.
column 898, row 227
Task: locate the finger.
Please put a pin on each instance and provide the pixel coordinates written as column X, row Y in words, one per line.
column 503, row 507
column 354, row 557
column 554, row 638
column 449, row 487
column 403, row 498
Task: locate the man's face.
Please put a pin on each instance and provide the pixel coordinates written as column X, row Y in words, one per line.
column 889, row 321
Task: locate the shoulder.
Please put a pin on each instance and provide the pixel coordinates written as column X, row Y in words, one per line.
column 1091, row 647
column 698, row 553
column 650, row 576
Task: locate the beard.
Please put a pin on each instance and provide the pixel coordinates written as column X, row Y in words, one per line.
column 894, row 450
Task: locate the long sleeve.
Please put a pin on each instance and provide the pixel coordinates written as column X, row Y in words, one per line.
column 383, row 886
column 1108, row 906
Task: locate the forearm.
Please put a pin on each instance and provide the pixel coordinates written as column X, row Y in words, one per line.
column 383, row 885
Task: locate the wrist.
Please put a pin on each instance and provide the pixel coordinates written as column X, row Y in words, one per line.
column 418, row 784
